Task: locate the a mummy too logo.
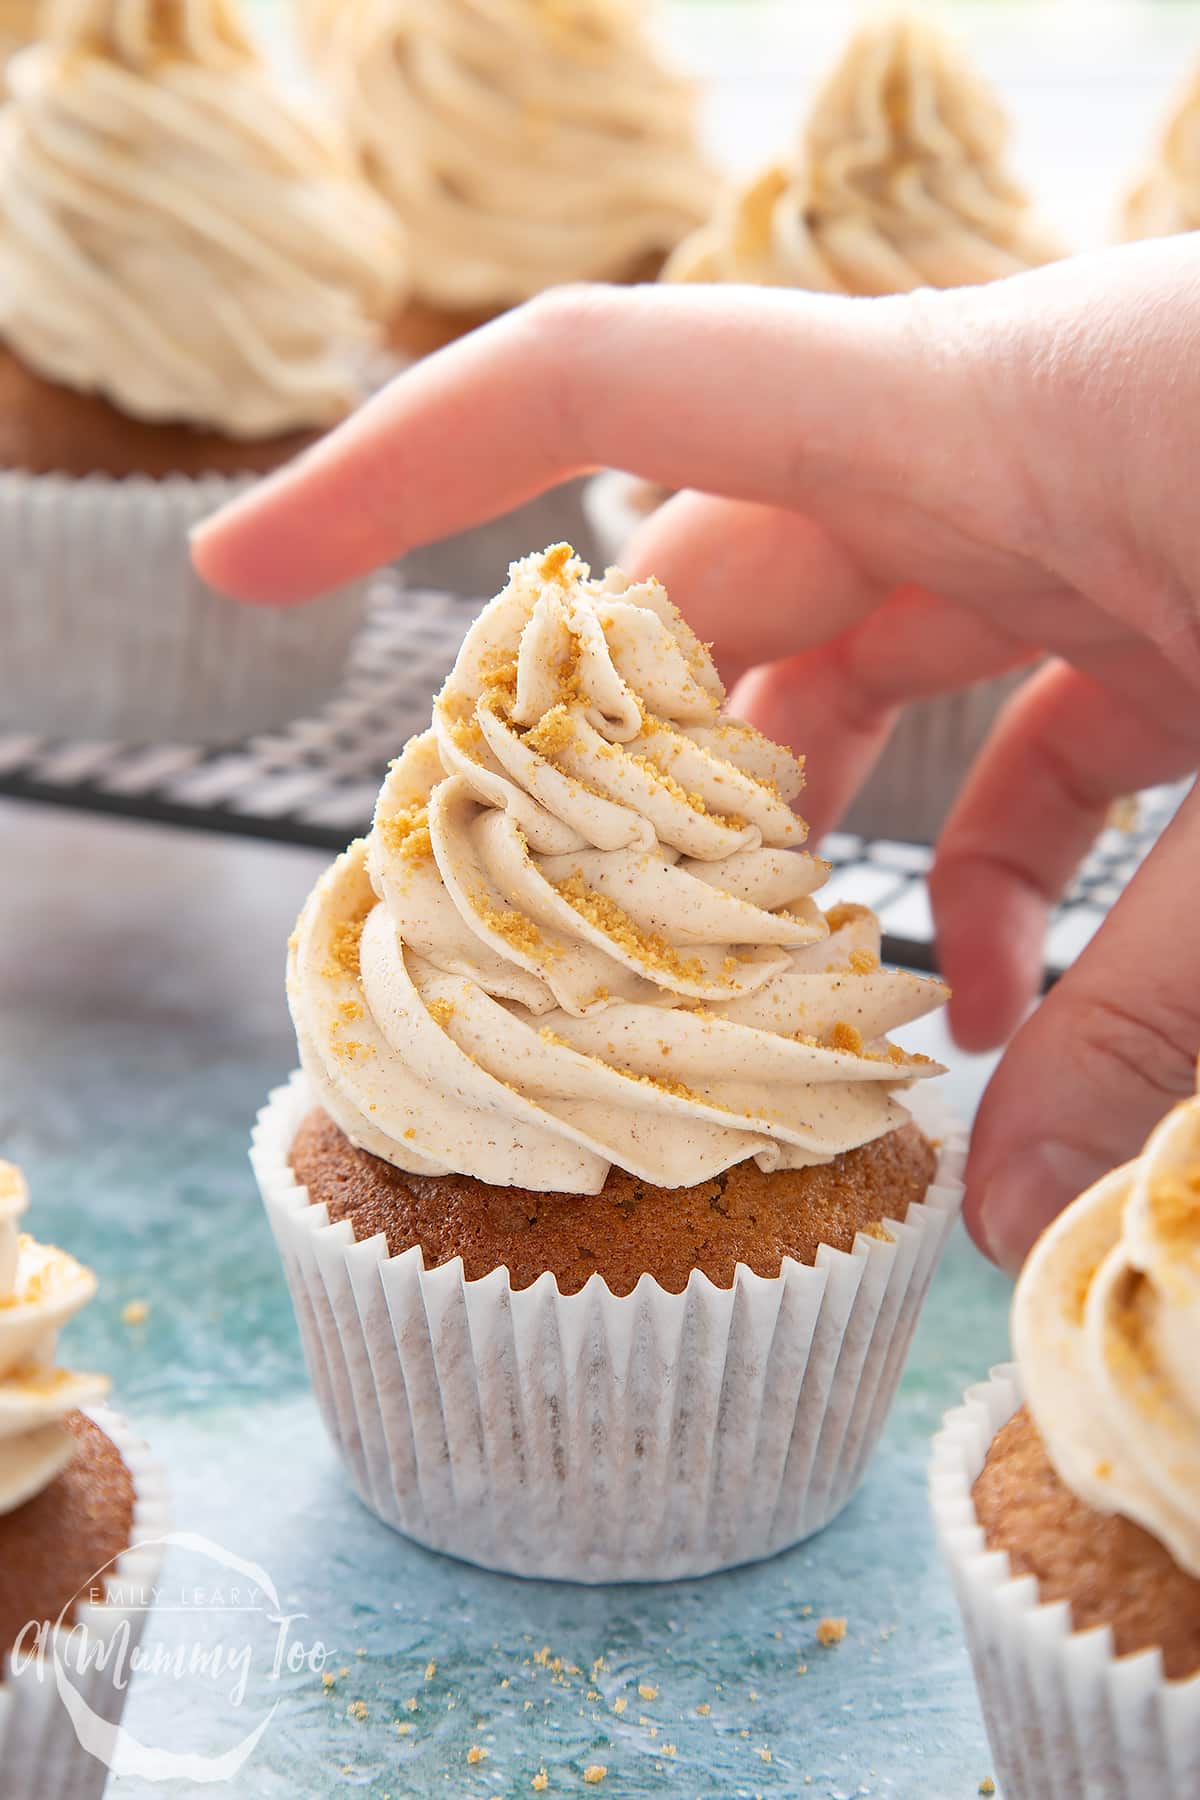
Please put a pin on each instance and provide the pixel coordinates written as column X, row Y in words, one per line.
column 207, row 1618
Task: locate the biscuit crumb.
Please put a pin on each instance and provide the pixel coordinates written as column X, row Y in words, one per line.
column 430, row 1670
column 620, row 1703
column 594, row 1774
column 357, row 1709
column 646, row 1691
column 328, row 1680
column 411, row 1703
column 540, row 1782
column 830, row 1632
column 765, row 1754
column 403, row 1728
column 704, row 1709
column 987, row 1785
column 135, row 1312
column 476, row 1754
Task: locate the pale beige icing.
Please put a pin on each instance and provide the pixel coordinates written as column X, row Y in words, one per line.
column 175, row 233
column 40, row 1289
column 582, row 929
column 523, row 143
column 1167, row 199
column 1106, row 1328
column 900, row 182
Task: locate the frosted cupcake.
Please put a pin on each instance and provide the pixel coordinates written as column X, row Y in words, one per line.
column 900, row 182
column 598, row 1109
column 522, row 143
column 1167, row 198
column 1067, row 1494
column 191, row 276
column 81, row 1510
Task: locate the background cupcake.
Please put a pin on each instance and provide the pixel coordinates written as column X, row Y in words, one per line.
column 81, row 1508
column 1072, row 1521
column 522, row 143
column 1167, row 198
column 191, row 275
column 607, row 1114
column 899, row 181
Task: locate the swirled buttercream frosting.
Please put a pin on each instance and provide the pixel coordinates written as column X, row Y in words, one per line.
column 522, row 143
column 900, row 182
column 175, row 233
column 40, row 1289
column 1106, row 1328
column 1167, row 199
column 582, row 930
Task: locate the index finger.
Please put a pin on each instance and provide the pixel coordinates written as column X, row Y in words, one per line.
column 748, row 392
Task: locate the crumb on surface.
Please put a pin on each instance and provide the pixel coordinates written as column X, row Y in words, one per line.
column 135, row 1312
column 430, row 1670
column 646, row 1691
column 987, row 1785
column 830, row 1632
column 476, row 1754
column 704, row 1709
column 404, row 1727
column 357, row 1709
column 620, row 1703
column 540, row 1782
column 328, row 1680
column 594, row 1774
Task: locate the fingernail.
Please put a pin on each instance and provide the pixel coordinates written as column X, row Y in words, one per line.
column 1027, row 1193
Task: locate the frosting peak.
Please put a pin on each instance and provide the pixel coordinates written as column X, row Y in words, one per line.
column 175, row 234
column 1106, row 1327
column 582, row 929
column 522, row 143
column 899, row 182
column 40, row 1289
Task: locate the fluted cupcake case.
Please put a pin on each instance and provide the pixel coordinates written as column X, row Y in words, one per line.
column 1066, row 1718
column 108, row 632
column 41, row 1752
column 596, row 1438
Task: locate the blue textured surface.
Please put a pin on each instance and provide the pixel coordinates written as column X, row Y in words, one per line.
column 143, row 1023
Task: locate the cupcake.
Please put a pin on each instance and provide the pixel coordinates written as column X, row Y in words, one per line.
column 522, row 143
column 191, row 276
column 82, row 1513
column 1067, row 1495
column 1167, row 198
column 602, row 1204
column 899, row 182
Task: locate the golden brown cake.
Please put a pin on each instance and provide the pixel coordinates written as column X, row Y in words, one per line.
column 630, row 1228
column 54, row 1547
column 1108, row 1569
column 49, row 429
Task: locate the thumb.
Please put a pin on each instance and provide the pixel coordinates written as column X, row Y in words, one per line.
column 1109, row 1051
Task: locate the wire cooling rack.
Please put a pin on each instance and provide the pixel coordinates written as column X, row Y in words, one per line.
column 315, row 783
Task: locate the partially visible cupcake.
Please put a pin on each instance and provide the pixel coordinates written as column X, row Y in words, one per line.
column 600, row 1113
column 82, row 1513
column 1067, row 1495
column 900, row 181
column 521, row 143
column 1167, row 198
column 192, row 275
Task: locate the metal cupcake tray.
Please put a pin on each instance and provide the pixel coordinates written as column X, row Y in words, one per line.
column 315, row 783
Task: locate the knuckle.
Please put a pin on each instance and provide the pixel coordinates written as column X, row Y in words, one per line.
column 1154, row 1046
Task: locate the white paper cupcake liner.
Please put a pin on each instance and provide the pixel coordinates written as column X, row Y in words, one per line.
column 596, row 1438
column 108, row 632
column 913, row 786
column 40, row 1749
column 1066, row 1718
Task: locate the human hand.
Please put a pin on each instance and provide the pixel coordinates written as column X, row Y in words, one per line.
column 916, row 494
